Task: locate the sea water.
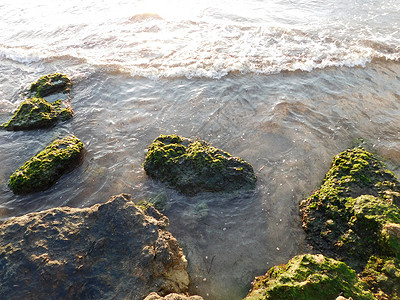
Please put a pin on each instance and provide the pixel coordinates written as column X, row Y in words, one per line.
column 285, row 85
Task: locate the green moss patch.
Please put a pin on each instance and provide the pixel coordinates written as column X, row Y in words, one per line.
column 348, row 216
column 382, row 276
column 37, row 113
column 51, row 84
column 309, row 277
column 44, row 169
column 193, row 166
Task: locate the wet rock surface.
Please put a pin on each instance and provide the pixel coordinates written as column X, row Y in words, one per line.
column 36, row 113
column 45, row 168
column 355, row 217
column 174, row 296
column 309, row 277
column 51, row 84
column 355, row 213
column 193, row 166
column 113, row 250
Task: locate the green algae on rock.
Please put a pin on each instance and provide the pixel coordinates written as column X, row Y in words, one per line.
column 355, row 213
column 193, row 166
column 44, row 169
column 37, row 113
column 382, row 276
column 51, row 84
column 309, row 277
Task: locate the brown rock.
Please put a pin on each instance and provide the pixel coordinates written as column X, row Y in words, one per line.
column 113, row 250
column 174, row 296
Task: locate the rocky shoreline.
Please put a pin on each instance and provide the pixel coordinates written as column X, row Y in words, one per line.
column 122, row 250
column 353, row 222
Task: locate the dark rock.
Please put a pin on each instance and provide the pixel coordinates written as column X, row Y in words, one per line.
column 307, row 277
column 355, row 212
column 51, row 84
column 37, row 113
column 44, row 169
column 195, row 166
column 174, row 296
column 113, row 250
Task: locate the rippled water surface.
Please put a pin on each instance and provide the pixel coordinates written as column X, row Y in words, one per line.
column 285, row 86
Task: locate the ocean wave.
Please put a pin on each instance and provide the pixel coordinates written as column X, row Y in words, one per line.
column 145, row 17
column 20, row 55
column 198, row 49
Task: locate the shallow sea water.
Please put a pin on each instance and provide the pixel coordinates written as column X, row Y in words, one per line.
column 284, row 87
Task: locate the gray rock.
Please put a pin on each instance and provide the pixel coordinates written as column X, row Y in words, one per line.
column 113, row 250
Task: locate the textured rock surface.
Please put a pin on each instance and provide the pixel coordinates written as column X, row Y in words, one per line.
column 173, row 296
column 44, row 169
column 37, row 113
column 50, row 84
column 113, row 250
column 382, row 275
column 355, row 213
column 195, row 166
column 309, row 277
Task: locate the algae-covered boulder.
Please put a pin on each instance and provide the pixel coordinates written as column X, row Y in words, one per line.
column 38, row 113
column 113, row 250
column 355, row 212
column 44, row 169
column 307, row 277
column 193, row 166
column 382, row 276
column 51, row 84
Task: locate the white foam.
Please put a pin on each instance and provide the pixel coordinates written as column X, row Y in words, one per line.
column 23, row 56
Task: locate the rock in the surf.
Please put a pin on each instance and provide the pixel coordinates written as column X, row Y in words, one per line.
column 355, row 213
column 193, row 166
column 173, row 296
column 307, row 277
column 36, row 113
column 113, row 250
column 51, row 84
column 44, row 169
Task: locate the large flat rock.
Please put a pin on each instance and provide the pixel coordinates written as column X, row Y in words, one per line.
column 113, row 250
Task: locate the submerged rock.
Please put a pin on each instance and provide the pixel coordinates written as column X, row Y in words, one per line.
column 174, row 296
column 38, row 113
column 196, row 166
column 309, row 277
column 44, row 169
column 51, row 84
column 355, row 213
column 113, row 250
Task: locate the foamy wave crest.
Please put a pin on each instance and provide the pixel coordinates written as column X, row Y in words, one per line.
column 213, row 51
column 20, row 55
column 145, row 17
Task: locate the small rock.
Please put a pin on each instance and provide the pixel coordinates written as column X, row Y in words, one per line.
column 51, row 84
column 174, row 296
column 196, row 166
column 44, row 169
column 37, row 113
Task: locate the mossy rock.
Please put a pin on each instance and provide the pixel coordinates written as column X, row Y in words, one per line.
column 51, row 84
column 309, row 277
column 348, row 216
column 193, row 166
column 38, row 113
column 382, row 276
column 44, row 169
